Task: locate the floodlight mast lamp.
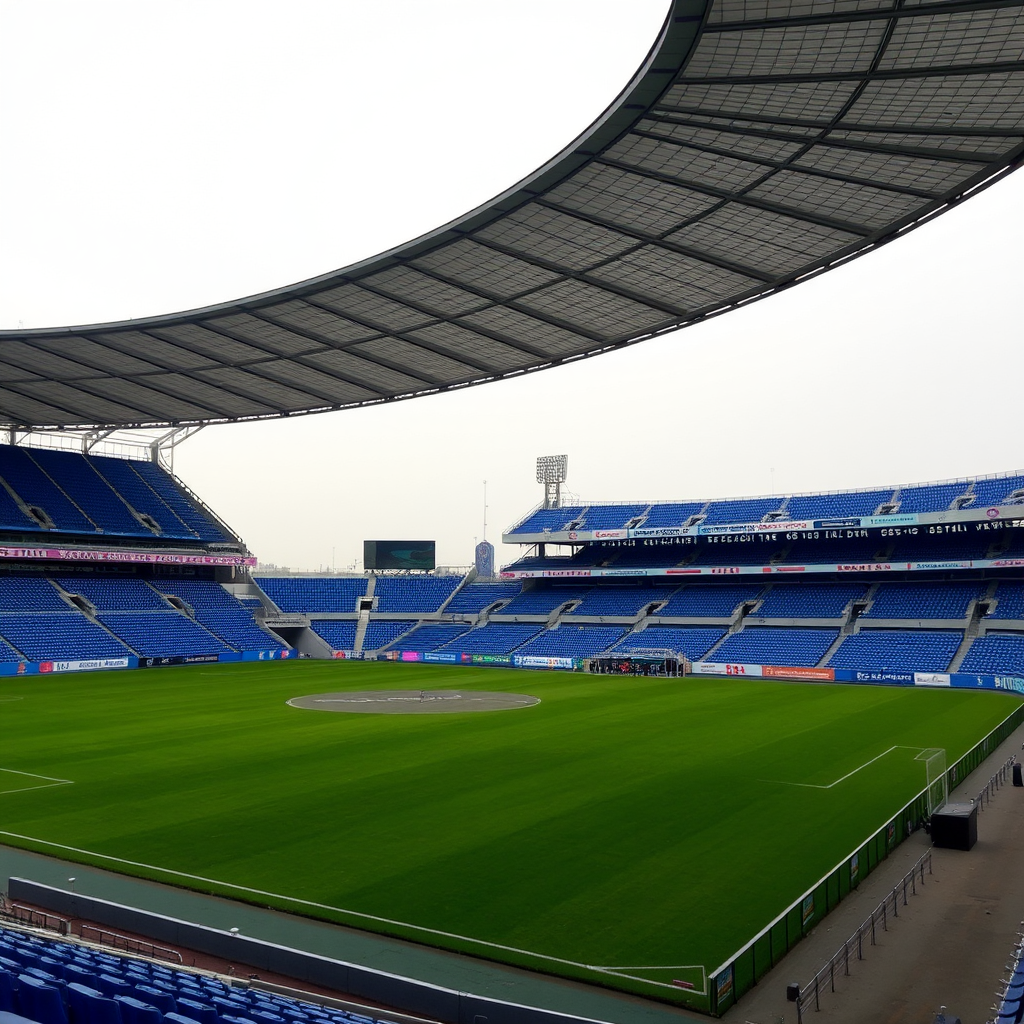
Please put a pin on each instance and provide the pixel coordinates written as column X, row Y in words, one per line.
column 551, row 472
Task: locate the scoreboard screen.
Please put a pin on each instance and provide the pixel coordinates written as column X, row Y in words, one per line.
column 398, row 554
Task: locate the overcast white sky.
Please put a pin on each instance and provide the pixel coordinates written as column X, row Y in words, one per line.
column 160, row 156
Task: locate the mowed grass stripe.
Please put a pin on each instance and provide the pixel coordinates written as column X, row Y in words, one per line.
column 619, row 821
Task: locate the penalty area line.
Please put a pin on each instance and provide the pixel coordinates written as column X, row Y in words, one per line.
column 48, row 781
column 311, row 903
column 848, row 775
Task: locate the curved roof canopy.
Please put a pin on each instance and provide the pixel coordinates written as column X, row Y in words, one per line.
column 761, row 142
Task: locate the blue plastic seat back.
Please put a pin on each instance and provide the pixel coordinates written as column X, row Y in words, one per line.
column 88, row 1006
column 197, row 1010
column 111, row 985
column 235, row 1020
column 39, row 1001
column 80, row 975
column 135, row 1011
column 266, row 1017
column 42, row 975
column 177, row 1018
column 158, row 997
column 8, row 992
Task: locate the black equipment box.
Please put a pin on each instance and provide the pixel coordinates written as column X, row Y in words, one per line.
column 955, row 826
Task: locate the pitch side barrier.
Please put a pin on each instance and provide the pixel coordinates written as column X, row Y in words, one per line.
column 42, row 668
column 884, row 677
column 747, row 966
column 409, row 995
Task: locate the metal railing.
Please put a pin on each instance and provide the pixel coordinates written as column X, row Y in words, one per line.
column 36, row 918
column 130, row 945
column 995, row 783
column 866, row 930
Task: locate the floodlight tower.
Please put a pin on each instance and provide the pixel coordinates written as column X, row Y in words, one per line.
column 551, row 472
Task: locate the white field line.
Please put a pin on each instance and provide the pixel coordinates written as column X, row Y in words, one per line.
column 623, row 972
column 47, row 784
column 320, row 906
column 811, row 785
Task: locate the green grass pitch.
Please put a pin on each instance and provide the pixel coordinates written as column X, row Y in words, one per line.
column 620, row 823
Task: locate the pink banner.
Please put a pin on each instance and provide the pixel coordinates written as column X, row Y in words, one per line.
column 143, row 557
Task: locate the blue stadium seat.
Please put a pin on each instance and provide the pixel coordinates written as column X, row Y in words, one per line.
column 8, row 991
column 692, row 642
column 197, row 1010
column 160, row 998
column 41, row 1002
column 310, row 594
column 89, row 1006
column 135, row 1011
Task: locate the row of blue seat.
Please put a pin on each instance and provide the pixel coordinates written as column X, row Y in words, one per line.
column 88, row 494
column 969, row 493
column 53, row 982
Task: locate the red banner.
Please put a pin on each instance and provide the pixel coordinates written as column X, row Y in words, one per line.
column 823, row 675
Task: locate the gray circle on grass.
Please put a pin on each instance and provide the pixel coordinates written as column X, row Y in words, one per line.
column 413, row 702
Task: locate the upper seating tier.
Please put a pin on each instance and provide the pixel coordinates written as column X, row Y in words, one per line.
column 74, row 493
column 975, row 493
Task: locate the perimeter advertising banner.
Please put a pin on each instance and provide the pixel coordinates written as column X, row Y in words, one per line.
column 955, row 680
column 35, row 668
column 512, row 573
column 133, row 557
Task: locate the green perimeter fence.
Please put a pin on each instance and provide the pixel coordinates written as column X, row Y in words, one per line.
column 751, row 963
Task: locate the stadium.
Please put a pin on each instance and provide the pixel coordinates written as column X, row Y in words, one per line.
column 575, row 772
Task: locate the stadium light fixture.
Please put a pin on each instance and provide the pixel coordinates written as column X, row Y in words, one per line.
column 551, row 472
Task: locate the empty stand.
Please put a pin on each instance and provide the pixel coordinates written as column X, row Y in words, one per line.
column 995, row 652
column 52, row 636
column 671, row 514
column 763, row 645
column 479, row 595
column 552, row 520
column 810, row 600
column 931, row 497
column 381, row 632
column 220, row 613
column 612, row 517
column 543, row 600
column 312, row 593
column 923, row 600
column 572, row 641
column 422, row 594
column 837, row 505
column 897, row 650
column 1009, row 601
column 494, row 638
column 692, row 642
column 167, row 634
column 74, row 493
column 707, row 601
column 741, row 510
column 430, row 637
column 612, row 599
column 340, row 634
